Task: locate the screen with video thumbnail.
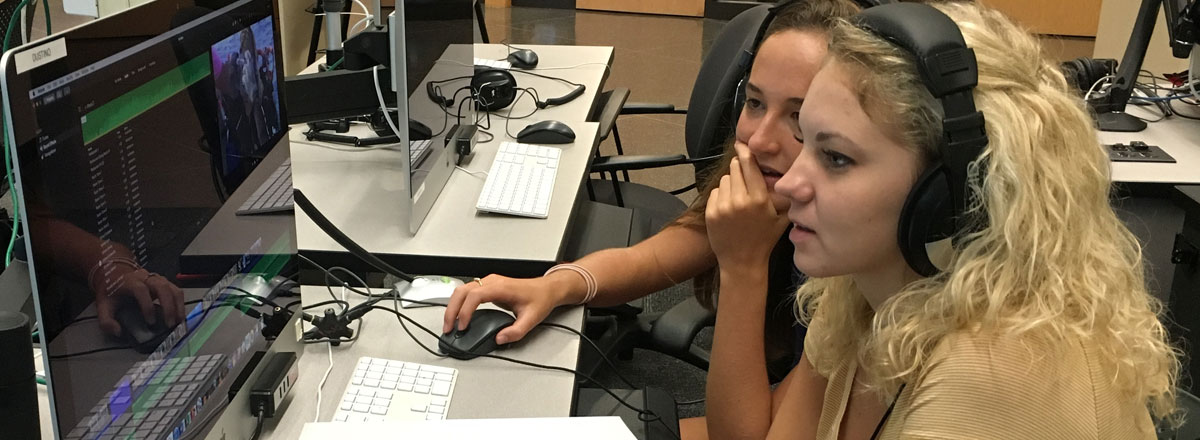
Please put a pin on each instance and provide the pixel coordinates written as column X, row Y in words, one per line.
column 243, row 70
column 121, row 161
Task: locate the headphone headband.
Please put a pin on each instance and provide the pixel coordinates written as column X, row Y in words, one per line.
column 938, row 201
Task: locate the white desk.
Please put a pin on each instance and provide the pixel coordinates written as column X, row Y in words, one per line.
column 1177, row 136
column 485, row 388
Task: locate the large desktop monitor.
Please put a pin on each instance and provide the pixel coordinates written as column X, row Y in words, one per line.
column 431, row 41
column 121, row 158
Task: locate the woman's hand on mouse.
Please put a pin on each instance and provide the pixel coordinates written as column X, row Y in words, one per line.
column 743, row 226
column 530, row 299
column 144, row 287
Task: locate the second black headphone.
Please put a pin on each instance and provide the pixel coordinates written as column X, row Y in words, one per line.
column 750, row 50
column 937, row 204
column 495, row 89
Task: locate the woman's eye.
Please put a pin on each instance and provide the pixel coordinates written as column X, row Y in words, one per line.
column 753, row 104
column 836, row 160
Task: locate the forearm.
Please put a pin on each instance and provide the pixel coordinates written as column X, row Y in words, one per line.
column 738, row 392
column 624, row 274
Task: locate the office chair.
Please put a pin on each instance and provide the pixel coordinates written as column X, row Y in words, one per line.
column 709, row 123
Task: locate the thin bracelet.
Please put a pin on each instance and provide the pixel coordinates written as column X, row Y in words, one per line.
column 587, row 278
column 105, row 263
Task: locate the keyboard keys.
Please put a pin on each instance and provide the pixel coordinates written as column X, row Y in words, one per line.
column 521, row 180
column 406, row 391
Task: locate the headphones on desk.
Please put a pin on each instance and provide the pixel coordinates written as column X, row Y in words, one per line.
column 936, row 207
column 495, row 89
column 749, row 51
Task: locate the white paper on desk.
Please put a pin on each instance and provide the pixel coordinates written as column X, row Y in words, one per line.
column 550, row 428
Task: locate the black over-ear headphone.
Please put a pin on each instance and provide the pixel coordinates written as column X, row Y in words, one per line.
column 750, row 50
column 494, row 89
column 1083, row 72
column 937, row 204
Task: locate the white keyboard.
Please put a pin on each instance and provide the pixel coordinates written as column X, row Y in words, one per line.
column 274, row 195
column 384, row 390
column 494, row 64
column 417, row 151
column 521, row 180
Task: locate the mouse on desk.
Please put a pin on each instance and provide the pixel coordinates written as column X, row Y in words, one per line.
column 144, row 337
column 479, row 338
column 546, row 132
column 523, row 59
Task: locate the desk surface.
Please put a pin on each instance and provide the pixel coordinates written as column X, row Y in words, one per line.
column 485, row 388
column 353, row 190
column 1177, row 136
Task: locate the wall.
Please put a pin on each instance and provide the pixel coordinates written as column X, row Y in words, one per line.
column 1116, row 22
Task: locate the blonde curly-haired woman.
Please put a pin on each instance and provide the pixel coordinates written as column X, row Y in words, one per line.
column 1038, row 326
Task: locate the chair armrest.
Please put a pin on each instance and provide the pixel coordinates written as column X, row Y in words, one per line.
column 675, row 330
column 608, row 107
column 607, row 164
column 650, row 108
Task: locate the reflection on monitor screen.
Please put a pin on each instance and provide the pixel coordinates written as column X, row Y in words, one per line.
column 121, row 161
column 247, row 95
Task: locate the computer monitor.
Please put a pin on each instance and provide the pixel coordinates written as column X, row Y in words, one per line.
column 119, row 161
column 431, row 41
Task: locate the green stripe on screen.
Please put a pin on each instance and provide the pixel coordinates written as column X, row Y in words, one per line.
column 112, row 114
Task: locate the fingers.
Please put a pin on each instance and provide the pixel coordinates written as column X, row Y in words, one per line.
column 105, row 314
column 755, row 184
column 169, row 296
column 453, row 306
column 141, row 293
column 736, row 180
column 517, row 331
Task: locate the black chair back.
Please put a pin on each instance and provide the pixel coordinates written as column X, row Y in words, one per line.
column 710, row 116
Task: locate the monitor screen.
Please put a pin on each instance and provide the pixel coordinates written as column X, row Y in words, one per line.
column 121, row 160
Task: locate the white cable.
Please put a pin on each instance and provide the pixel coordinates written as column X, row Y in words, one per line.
column 379, row 94
column 473, row 173
column 349, row 13
column 458, row 63
column 366, row 19
column 317, row 417
column 1094, row 85
column 1191, row 78
column 364, row 7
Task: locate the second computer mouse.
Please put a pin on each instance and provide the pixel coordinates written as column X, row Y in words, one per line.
column 546, row 132
column 139, row 334
column 480, row 336
column 523, row 59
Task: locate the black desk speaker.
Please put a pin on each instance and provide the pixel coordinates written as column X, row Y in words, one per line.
column 18, row 389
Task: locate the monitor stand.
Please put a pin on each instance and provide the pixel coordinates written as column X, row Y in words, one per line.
column 1120, row 122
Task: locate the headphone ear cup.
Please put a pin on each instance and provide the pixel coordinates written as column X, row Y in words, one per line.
column 739, row 101
column 493, row 89
column 927, row 218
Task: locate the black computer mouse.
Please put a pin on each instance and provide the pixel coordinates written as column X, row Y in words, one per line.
column 523, row 59
column 139, row 334
column 479, row 338
column 546, row 132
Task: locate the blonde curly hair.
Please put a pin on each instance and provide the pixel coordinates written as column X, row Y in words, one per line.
column 1053, row 262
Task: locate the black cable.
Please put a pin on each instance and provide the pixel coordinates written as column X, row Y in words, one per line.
column 595, row 346
column 547, row 77
column 84, row 353
column 302, row 202
column 248, row 294
column 258, row 425
column 888, row 413
column 510, row 109
column 689, row 402
column 1171, row 104
column 490, row 138
column 651, row 416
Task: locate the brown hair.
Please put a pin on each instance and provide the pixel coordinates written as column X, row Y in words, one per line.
column 807, row 16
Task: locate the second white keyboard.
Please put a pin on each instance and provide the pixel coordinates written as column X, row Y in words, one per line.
column 382, row 390
column 521, row 180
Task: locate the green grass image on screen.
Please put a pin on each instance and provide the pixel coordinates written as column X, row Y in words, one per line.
column 112, row 114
